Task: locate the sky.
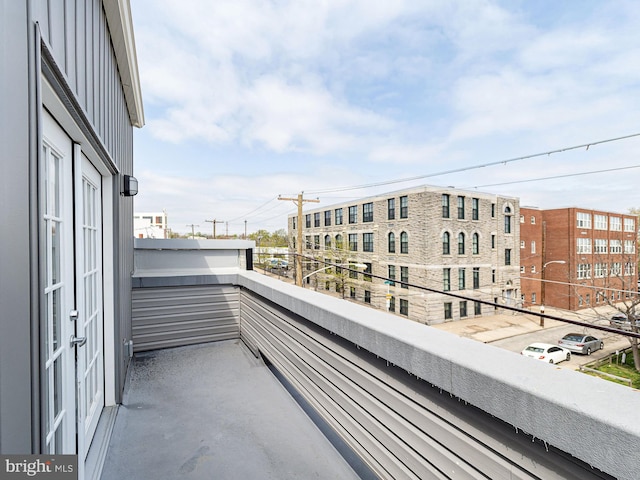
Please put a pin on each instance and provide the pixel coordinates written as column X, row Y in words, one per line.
column 247, row 100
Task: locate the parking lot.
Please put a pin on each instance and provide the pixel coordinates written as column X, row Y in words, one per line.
column 515, row 331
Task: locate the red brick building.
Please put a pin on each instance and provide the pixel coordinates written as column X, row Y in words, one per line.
column 573, row 258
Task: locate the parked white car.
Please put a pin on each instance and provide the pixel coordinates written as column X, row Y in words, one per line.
column 547, row 352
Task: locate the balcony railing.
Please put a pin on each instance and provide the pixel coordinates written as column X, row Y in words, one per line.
column 411, row 401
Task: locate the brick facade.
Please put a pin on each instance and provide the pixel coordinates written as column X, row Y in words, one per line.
column 590, row 257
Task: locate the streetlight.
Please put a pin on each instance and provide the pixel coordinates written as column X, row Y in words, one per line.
column 542, row 287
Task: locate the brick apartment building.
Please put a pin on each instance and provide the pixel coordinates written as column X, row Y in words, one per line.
column 444, row 239
column 573, row 258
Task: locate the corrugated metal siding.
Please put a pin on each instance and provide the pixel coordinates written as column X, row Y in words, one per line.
column 78, row 35
column 401, row 426
column 175, row 316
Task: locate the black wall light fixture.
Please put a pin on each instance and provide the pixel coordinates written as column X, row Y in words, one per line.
column 130, row 187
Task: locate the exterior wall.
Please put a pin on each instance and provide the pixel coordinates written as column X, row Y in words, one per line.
column 531, row 256
column 424, row 226
column 60, row 58
column 564, row 288
column 18, row 261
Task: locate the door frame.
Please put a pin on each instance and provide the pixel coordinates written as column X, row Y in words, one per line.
column 52, row 103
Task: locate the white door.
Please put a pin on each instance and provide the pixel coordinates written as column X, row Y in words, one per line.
column 89, row 324
column 73, row 347
column 56, row 193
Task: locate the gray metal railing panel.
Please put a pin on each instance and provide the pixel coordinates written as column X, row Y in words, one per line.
column 184, row 315
column 397, row 429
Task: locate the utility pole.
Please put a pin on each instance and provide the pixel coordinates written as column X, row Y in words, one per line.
column 214, row 221
column 299, row 201
column 193, row 231
column 245, row 229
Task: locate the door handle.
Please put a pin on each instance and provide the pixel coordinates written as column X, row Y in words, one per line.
column 77, row 341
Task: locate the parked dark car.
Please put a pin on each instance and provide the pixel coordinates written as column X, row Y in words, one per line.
column 623, row 322
column 581, row 343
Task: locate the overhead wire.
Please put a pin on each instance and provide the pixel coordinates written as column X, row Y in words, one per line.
column 471, row 167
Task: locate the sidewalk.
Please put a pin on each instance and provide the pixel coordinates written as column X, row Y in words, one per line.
column 496, row 327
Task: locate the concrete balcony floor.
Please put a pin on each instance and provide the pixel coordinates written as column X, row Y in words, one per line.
column 214, row 411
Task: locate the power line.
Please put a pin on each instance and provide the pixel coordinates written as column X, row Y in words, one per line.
column 473, row 167
column 555, row 176
column 242, row 217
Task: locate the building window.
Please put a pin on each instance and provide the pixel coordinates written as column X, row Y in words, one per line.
column 521, row 218
column 615, row 246
column 367, row 296
column 316, row 219
column 294, row 223
column 522, row 243
column 353, row 214
column 392, row 242
column 533, row 220
column 600, row 270
column 507, row 256
column 327, row 242
column 316, row 242
column 629, row 225
column 476, row 277
column 522, row 269
column 338, row 213
column 600, row 222
column 614, row 224
column 404, row 307
column 629, row 269
column 600, row 245
column 584, row 270
column 404, row 242
column 533, row 246
column 533, row 269
column 327, row 218
column 445, row 205
column 446, row 279
column 475, row 209
column 507, row 219
column 307, row 220
column 327, row 285
column 352, row 292
column 448, row 313
column 461, row 243
column 493, row 275
column 391, row 209
column 462, row 279
column 353, row 242
column 583, row 220
column 339, row 243
column 404, row 277
column 477, row 308
column 533, row 298
column 616, row 270
column 392, row 275
column 463, row 309
column 460, row 208
column 446, row 243
column 353, row 273
column 493, row 240
column 404, row 207
column 629, row 246
column 493, row 210
column 366, row 274
column 367, row 212
column 367, row 242
column 583, row 245
column 307, row 239
column 475, row 244
column 392, row 304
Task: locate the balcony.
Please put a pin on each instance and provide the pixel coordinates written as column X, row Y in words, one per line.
column 395, row 399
